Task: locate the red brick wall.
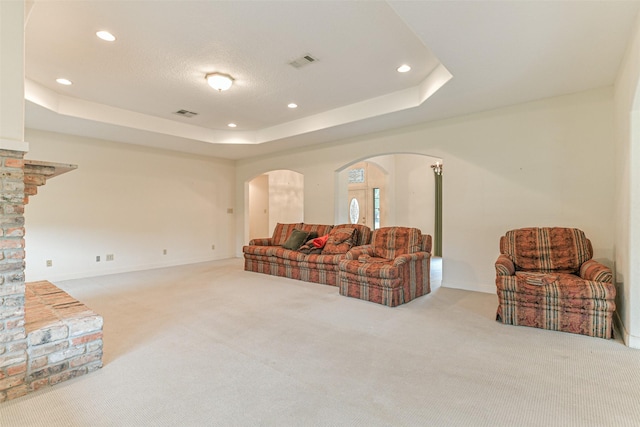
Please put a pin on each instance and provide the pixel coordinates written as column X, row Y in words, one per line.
column 13, row 344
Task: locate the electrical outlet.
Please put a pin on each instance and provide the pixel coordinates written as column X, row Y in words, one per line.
column 97, row 258
column 213, row 247
column 109, row 257
column 49, row 263
column 164, row 252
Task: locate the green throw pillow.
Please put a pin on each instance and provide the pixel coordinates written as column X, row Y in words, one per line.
column 296, row 239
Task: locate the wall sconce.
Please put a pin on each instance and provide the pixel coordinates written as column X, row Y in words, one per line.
column 219, row 81
column 437, row 168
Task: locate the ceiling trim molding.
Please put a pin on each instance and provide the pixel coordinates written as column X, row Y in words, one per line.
column 392, row 102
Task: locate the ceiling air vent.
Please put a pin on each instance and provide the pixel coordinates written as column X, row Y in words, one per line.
column 185, row 113
column 302, row 61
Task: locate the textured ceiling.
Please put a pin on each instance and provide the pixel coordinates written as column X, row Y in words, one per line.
column 499, row 53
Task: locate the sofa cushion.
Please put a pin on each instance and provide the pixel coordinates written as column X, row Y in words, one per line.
column 340, row 240
column 322, row 260
column 547, row 249
column 537, row 278
column 282, row 232
column 296, row 239
column 556, row 288
column 373, row 268
column 390, row 242
column 308, row 248
column 263, row 251
column 364, row 233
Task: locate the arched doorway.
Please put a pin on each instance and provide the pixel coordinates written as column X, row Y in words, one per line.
column 409, row 196
column 275, row 196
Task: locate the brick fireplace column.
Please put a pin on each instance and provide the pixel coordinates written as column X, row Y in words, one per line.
column 13, row 344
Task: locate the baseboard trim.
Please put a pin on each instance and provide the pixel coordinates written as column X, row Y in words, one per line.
column 629, row 340
column 487, row 289
column 125, row 269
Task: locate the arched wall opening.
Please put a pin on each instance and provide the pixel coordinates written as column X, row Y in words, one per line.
column 272, row 197
column 409, row 184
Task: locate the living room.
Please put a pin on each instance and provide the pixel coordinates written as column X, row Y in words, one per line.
column 546, row 183
column 560, row 160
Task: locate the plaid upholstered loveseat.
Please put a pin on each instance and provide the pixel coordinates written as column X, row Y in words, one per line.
column 545, row 278
column 269, row 256
column 392, row 270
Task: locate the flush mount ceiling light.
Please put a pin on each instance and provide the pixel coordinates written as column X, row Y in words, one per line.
column 293, row 105
column 232, row 125
column 403, row 68
column 219, row 81
column 106, row 36
column 65, row 82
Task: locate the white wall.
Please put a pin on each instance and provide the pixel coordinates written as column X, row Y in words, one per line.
column 545, row 163
column 415, row 192
column 259, row 207
column 128, row 201
column 286, row 198
column 627, row 191
column 12, row 21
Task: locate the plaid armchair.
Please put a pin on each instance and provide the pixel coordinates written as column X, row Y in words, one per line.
column 545, row 278
column 392, row 270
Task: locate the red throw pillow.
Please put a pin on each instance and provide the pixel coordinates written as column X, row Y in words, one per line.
column 319, row 242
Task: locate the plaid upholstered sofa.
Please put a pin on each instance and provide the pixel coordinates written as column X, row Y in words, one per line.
column 392, row 270
column 545, row 278
column 269, row 256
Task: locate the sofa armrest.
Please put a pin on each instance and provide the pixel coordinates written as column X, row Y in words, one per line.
column 595, row 271
column 406, row 258
column 265, row 241
column 357, row 251
column 425, row 243
column 504, row 266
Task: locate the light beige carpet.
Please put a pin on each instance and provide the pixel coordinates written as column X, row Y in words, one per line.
column 212, row 345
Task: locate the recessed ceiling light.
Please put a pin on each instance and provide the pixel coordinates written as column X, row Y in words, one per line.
column 292, row 105
column 232, row 125
column 64, row 82
column 403, row 68
column 106, row 36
